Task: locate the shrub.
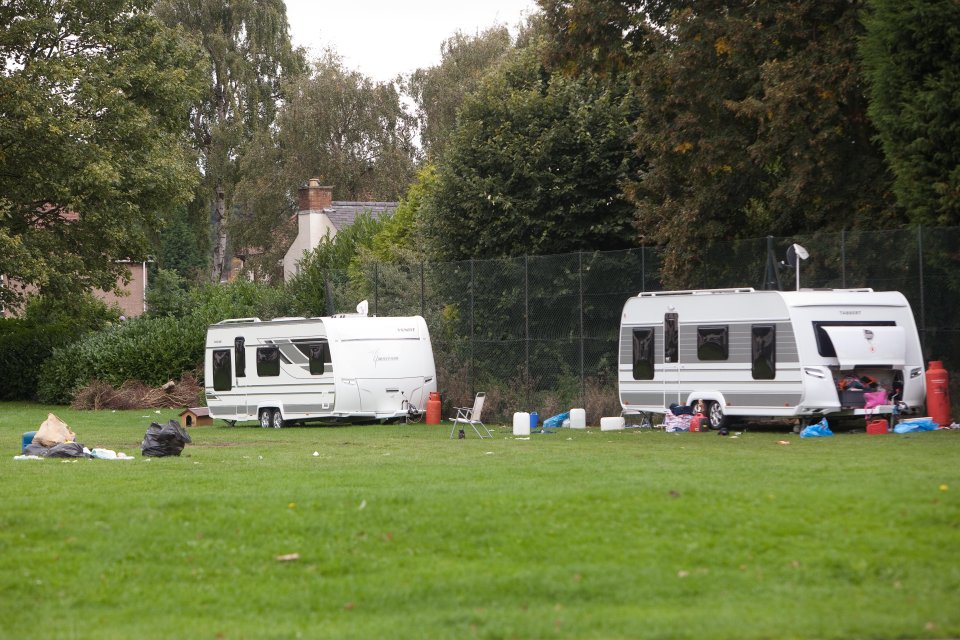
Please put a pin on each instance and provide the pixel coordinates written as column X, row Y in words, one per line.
column 24, row 346
column 149, row 350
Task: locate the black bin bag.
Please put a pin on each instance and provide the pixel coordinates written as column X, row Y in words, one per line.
column 164, row 440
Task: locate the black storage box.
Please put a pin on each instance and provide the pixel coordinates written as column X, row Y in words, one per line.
column 852, row 398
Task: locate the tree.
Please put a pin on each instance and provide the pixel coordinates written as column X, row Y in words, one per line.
column 439, row 91
column 248, row 46
column 534, row 167
column 336, row 124
column 911, row 52
column 93, row 102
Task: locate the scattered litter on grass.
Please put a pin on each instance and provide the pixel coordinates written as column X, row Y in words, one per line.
column 316, row 454
column 521, row 438
column 818, row 430
column 27, row 457
column 292, row 505
column 944, row 487
column 157, row 412
column 288, row 557
column 682, row 574
column 260, row 457
column 363, row 505
column 569, row 438
column 783, row 442
column 489, row 453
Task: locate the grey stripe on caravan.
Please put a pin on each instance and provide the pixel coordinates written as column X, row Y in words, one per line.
column 734, row 400
column 739, row 342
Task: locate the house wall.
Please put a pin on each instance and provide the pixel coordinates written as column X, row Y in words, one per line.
column 132, row 303
column 312, row 224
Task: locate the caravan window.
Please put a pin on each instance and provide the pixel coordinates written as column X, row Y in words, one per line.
column 763, row 351
column 241, row 357
column 825, row 345
column 712, row 343
column 319, row 354
column 221, row 370
column 643, row 354
column 268, row 361
column 671, row 337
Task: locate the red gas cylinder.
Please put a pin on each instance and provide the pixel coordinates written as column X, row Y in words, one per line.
column 433, row 408
column 938, row 394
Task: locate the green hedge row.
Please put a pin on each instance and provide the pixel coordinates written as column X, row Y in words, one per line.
column 24, row 346
column 151, row 350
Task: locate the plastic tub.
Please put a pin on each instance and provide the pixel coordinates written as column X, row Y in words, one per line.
column 521, row 423
column 578, row 418
column 534, row 420
column 612, row 424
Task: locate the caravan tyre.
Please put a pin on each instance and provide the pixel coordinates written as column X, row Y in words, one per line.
column 715, row 416
column 277, row 419
column 265, row 418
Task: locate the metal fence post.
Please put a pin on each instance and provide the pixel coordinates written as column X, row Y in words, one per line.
column 423, row 291
column 843, row 258
column 923, row 306
column 470, row 369
column 376, row 286
column 526, row 328
column 583, row 384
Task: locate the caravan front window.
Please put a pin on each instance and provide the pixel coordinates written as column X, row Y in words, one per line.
column 643, row 354
column 221, row 370
column 268, row 361
column 763, row 351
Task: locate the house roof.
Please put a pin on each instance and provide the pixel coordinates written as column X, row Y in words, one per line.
column 343, row 213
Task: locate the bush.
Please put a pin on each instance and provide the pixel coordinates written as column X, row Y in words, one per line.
column 24, row 346
column 149, row 350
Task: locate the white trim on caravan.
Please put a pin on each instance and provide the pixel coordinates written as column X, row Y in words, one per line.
column 345, row 368
column 772, row 354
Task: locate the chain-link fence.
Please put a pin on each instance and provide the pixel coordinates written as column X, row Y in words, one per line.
column 540, row 332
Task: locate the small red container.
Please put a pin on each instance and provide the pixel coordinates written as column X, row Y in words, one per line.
column 877, row 427
column 697, row 422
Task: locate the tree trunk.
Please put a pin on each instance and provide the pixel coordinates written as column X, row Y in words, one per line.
column 220, row 236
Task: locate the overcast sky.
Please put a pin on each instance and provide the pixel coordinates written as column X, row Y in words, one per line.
column 383, row 38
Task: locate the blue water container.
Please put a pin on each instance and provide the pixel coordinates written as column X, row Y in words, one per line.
column 27, row 439
column 534, row 419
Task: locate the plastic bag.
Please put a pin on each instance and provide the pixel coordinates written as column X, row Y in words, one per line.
column 53, row 431
column 913, row 425
column 66, row 450
column 555, row 421
column 164, row 440
column 673, row 423
column 818, row 430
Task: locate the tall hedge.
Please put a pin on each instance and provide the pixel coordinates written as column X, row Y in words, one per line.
column 24, row 347
column 151, row 350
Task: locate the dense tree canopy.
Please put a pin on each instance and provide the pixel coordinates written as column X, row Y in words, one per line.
column 94, row 98
column 336, row 124
column 534, row 166
column 912, row 56
column 439, row 91
column 248, row 47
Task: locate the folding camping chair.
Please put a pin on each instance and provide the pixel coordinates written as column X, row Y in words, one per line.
column 471, row 416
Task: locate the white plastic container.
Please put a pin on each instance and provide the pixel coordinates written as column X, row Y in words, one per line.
column 521, row 423
column 578, row 418
column 612, row 424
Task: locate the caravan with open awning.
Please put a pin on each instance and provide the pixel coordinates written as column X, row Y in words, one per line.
column 770, row 354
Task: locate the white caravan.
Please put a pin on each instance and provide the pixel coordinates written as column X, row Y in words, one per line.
column 768, row 354
column 349, row 368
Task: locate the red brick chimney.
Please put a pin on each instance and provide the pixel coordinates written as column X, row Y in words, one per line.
column 314, row 197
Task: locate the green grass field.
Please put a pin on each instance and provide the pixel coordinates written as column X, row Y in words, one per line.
column 403, row 533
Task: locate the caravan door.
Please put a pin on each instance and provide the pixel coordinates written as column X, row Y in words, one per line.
column 671, row 359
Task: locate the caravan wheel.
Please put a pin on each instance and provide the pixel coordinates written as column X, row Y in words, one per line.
column 277, row 419
column 716, row 417
column 265, row 418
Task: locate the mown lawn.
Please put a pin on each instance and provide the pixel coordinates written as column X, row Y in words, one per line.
column 403, row 533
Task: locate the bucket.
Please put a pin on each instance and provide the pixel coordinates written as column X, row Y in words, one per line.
column 27, row 439
column 521, row 423
column 534, row 420
column 578, row 418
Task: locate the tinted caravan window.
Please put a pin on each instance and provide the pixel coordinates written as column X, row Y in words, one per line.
column 643, row 354
column 268, row 361
column 240, row 357
column 712, row 343
column 221, row 370
column 319, row 355
column 671, row 337
column 763, row 351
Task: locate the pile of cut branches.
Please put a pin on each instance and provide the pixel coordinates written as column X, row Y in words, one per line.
column 136, row 395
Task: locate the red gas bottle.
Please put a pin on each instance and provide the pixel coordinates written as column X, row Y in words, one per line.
column 433, row 408
column 938, row 393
